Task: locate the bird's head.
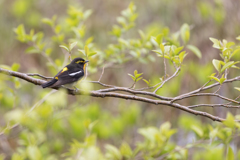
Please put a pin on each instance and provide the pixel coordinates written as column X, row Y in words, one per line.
column 79, row 61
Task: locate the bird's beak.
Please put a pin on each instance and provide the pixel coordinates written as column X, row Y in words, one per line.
column 86, row 61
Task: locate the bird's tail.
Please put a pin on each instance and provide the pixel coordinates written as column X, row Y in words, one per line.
column 49, row 83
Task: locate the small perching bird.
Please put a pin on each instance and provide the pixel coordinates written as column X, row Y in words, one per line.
column 69, row 74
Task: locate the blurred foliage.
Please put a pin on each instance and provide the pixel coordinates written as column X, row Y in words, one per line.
column 136, row 36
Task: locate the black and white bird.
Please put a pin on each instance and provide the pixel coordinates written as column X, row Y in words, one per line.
column 69, row 74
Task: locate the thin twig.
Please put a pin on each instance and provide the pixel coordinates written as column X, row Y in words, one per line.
column 176, row 72
column 165, row 67
column 209, row 87
column 39, row 75
column 205, row 94
column 214, row 105
column 218, row 89
column 41, row 101
column 101, row 74
column 205, row 84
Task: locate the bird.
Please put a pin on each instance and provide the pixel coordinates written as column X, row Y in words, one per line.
column 69, row 74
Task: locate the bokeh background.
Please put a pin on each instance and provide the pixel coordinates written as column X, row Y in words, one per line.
column 64, row 117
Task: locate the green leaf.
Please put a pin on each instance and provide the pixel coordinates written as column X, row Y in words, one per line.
column 229, row 122
column 215, row 78
column 82, row 51
column 92, row 54
column 238, row 38
column 222, row 79
column 138, row 75
column 216, row 43
column 185, row 33
column 195, row 50
column 132, row 77
column 237, row 88
column 142, row 34
column 162, row 48
column 230, row 154
column 217, row 64
column 5, row 67
column 89, row 40
column 47, row 21
column 135, row 73
column 48, row 51
column 86, row 49
column 146, row 81
column 32, row 50
column 72, row 45
column 34, row 153
column 137, row 79
column 182, row 55
column 126, row 150
column 177, row 50
column 237, row 51
column 228, row 65
column 64, row 47
column 113, row 152
column 159, row 38
column 197, row 130
column 15, row 66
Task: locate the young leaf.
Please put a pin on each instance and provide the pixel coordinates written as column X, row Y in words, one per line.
column 229, row 122
column 222, row 79
column 159, row 38
column 216, row 43
column 15, row 66
column 32, row 50
column 237, row 51
column 82, row 51
column 217, row 64
column 230, row 154
column 64, row 47
column 72, row 45
column 132, row 77
column 197, row 130
column 92, row 54
column 182, row 55
column 228, row 65
column 135, row 72
column 195, row 50
column 141, row 34
column 237, row 88
column 238, row 38
column 89, row 40
column 215, row 78
column 177, row 50
column 47, row 21
column 146, row 81
column 126, row 150
column 138, row 75
column 86, row 49
column 162, row 48
column 185, row 33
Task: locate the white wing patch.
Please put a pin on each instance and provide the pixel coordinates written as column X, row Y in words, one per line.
column 75, row 73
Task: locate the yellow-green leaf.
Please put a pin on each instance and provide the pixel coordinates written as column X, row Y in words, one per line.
column 195, row 50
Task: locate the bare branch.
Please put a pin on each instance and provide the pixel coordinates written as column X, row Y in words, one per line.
column 111, row 94
column 101, row 74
